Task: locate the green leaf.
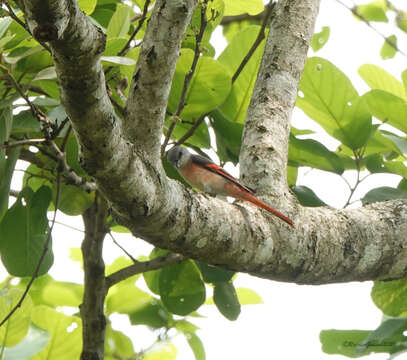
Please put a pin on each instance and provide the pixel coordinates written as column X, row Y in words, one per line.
column 7, row 166
column 248, row 296
column 390, row 332
column 73, row 201
column 17, row 326
column 118, row 60
column 307, row 197
column 213, row 274
column 401, row 20
column 235, row 106
column 60, row 293
column 378, row 78
column 46, row 74
column 226, row 300
column 391, row 296
column 292, row 175
column 118, row 343
column 398, row 141
column 345, row 342
column 4, row 24
column 181, row 288
column 309, row 152
column 152, row 278
column 237, row 7
column 320, row 39
column 383, row 193
column 114, row 46
column 153, row 314
column 35, row 340
column 209, row 87
column 24, row 232
column 126, row 298
column 228, row 137
column 388, row 51
column 22, row 52
column 87, row 6
column 24, row 122
column 373, row 11
column 388, row 108
column 196, row 346
column 119, row 24
column 66, row 334
column 166, row 351
column 338, row 109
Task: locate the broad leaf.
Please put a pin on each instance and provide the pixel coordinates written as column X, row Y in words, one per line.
column 320, row 39
column 119, row 24
column 65, row 331
column 226, row 300
column 235, row 106
column 311, row 153
column 213, row 274
column 383, row 193
column 373, row 11
column 391, row 296
column 237, row 7
column 181, row 288
column 17, row 326
column 389, row 48
column 338, row 109
column 24, row 232
column 388, row 108
column 307, row 197
column 35, row 340
column 380, row 79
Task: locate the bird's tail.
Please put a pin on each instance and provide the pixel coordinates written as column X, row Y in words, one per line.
column 250, row 198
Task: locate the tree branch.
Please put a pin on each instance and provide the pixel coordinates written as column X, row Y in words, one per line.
column 153, row 75
column 143, row 266
column 92, row 307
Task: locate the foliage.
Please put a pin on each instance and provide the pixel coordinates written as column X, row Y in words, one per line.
column 174, row 294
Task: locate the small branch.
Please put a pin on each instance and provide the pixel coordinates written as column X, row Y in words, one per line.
column 8, row 145
column 139, row 267
column 143, row 17
column 92, row 307
column 69, row 173
column 122, row 248
column 191, row 130
column 188, row 76
column 260, row 37
column 355, row 12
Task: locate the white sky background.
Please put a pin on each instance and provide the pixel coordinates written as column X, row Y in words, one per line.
column 287, row 325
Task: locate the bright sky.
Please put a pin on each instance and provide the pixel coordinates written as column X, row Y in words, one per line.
column 287, row 325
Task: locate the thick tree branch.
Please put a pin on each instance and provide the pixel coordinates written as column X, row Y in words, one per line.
column 153, row 75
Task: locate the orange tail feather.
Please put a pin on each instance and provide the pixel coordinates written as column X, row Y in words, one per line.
column 259, row 203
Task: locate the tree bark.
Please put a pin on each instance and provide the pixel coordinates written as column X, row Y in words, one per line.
column 92, row 308
column 327, row 246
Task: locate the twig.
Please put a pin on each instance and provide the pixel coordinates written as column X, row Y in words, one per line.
column 69, row 173
column 188, row 76
column 355, row 12
column 143, row 266
column 122, row 248
column 256, row 43
column 137, row 29
column 17, row 20
column 8, row 145
column 42, row 257
column 142, row 17
column 266, row 16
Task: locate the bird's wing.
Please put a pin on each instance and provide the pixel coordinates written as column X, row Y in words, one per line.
column 211, row 166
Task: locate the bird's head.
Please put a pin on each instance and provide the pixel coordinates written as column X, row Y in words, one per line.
column 179, row 157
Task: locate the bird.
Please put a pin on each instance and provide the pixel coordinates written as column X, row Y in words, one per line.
column 205, row 175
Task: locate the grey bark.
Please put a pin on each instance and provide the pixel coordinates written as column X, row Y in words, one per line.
column 327, row 246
